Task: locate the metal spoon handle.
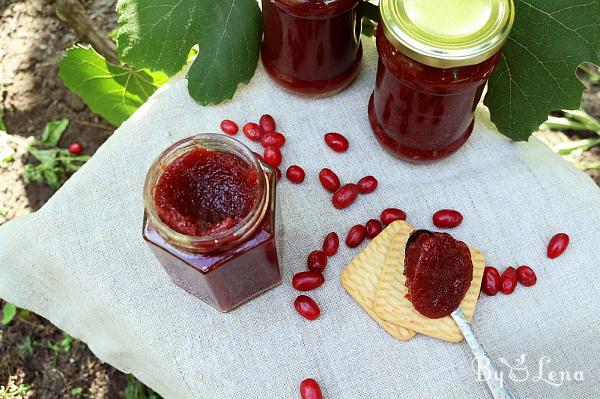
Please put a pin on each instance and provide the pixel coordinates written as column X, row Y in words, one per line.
column 494, row 381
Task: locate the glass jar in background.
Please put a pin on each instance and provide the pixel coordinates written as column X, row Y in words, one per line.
column 435, row 58
column 312, row 47
column 210, row 219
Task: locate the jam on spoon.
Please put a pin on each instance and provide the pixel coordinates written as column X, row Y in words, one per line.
column 438, row 272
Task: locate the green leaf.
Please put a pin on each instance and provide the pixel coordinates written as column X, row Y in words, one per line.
column 9, row 311
column 536, row 74
column 2, row 126
column 53, row 131
column 158, row 34
column 113, row 92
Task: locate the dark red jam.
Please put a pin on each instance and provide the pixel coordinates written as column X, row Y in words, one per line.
column 211, row 222
column 438, row 272
column 204, row 192
column 312, row 47
column 419, row 112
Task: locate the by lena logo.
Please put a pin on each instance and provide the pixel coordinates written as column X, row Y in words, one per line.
column 520, row 371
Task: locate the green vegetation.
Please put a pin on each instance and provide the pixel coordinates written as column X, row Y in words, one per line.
column 54, row 164
column 9, row 311
column 137, row 390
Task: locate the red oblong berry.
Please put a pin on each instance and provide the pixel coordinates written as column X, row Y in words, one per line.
column 274, row 139
column 337, row 142
column 356, row 235
column 253, row 131
column 306, row 281
column 345, row 196
column 558, row 245
column 278, row 173
column 75, row 149
column 491, row 282
column 230, row 127
column 272, row 156
column 526, row 276
column 508, row 281
column 316, row 261
column 310, row 389
column 329, row 180
column 447, row 218
column 307, row 307
column 390, row 215
column 295, row 174
column 331, row 244
column 367, row 185
column 267, row 123
column 373, row 228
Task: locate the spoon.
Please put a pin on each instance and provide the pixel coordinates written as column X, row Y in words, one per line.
column 494, row 381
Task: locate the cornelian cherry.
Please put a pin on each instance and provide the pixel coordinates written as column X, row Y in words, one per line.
column 307, row 307
column 558, row 245
column 306, row 281
column 272, row 156
column 316, row 261
column 508, row 281
column 329, row 180
column 274, row 139
column 267, row 123
column 295, row 174
column 526, row 276
column 373, row 228
column 253, row 131
column 356, row 236
column 345, row 196
column 390, row 215
column 75, row 149
column 491, row 282
column 310, row 389
column 447, row 218
column 337, row 142
column 331, row 244
column 367, row 185
column 230, row 127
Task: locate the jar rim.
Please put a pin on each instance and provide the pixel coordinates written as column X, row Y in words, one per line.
column 237, row 233
column 447, row 34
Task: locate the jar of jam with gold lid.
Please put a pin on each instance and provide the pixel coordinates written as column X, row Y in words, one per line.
column 210, row 219
column 435, row 58
column 312, row 47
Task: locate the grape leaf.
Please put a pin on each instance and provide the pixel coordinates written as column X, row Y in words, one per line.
column 112, row 91
column 158, row 34
column 536, row 74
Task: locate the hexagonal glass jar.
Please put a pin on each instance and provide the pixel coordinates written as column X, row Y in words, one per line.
column 228, row 268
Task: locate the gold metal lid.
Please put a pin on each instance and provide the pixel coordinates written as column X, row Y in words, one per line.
column 447, row 33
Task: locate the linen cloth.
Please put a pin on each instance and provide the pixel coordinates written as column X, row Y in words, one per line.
column 81, row 261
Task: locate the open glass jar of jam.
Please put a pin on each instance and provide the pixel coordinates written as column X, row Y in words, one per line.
column 210, row 219
column 312, row 47
column 435, row 58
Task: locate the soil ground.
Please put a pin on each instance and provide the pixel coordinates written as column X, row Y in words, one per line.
column 32, row 41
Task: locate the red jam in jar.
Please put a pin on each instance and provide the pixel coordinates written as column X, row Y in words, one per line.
column 435, row 59
column 210, row 220
column 312, row 47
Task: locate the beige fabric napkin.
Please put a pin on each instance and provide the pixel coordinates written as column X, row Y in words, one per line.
column 81, row 261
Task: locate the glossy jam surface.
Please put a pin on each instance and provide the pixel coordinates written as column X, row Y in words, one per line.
column 438, row 272
column 422, row 113
column 311, row 47
column 204, row 192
